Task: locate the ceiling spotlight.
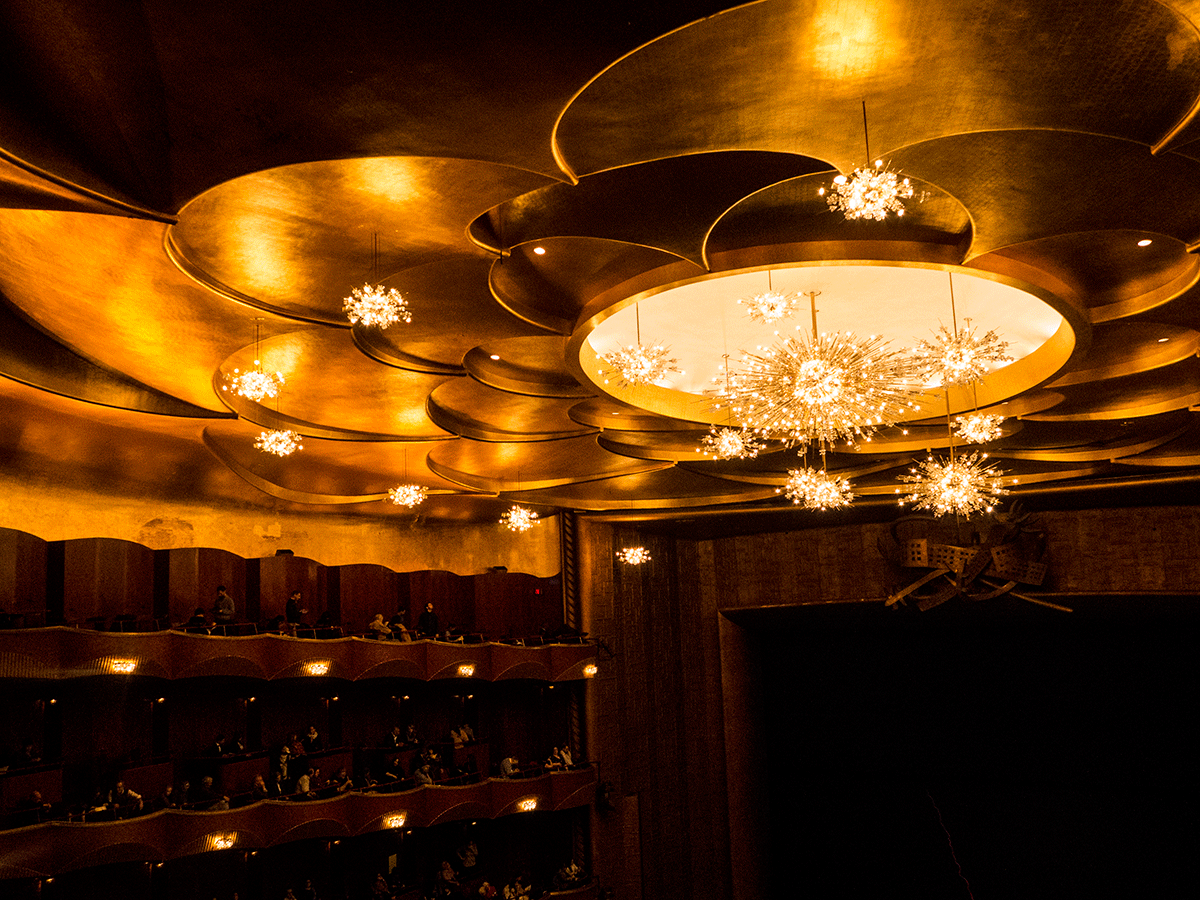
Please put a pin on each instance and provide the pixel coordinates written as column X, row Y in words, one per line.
column 280, row 443
column 409, row 495
column 519, row 519
column 1145, row 242
column 540, row 251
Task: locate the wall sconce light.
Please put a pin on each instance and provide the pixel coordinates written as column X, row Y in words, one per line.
column 222, row 841
column 122, row 666
column 590, row 670
column 317, row 667
column 529, row 804
column 466, row 670
column 395, row 820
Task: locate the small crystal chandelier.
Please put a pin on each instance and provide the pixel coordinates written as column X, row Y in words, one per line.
column 727, row 442
column 638, row 364
column 255, row 384
column 871, row 192
column 963, row 486
column 978, row 428
column 823, row 388
column 409, row 495
column 374, row 305
column 280, row 442
column 814, row 489
column 519, row 519
column 634, row 556
column 956, row 356
column 772, row 306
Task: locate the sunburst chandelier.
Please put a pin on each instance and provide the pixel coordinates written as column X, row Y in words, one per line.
column 255, row 384
column 771, row 306
column 409, row 495
column 634, row 556
column 519, row 519
column 871, row 192
column 956, row 356
column 374, row 305
column 638, row 364
column 730, row 443
column 978, row 428
column 963, row 486
column 814, row 489
column 279, row 442
column 821, row 388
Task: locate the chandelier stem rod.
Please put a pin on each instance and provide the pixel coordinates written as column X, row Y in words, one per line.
column 812, row 300
column 949, row 430
column 953, row 310
column 866, row 137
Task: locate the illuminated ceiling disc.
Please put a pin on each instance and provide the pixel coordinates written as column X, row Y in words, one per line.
column 702, row 320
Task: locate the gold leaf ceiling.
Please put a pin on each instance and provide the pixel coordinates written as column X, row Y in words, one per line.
column 172, row 174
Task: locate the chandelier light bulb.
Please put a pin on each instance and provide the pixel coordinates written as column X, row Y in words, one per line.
column 963, row 486
column 634, row 556
column 409, row 495
column 814, row 489
column 280, row 443
column 519, row 519
column 869, row 193
column 376, row 306
column 978, row 428
column 254, row 384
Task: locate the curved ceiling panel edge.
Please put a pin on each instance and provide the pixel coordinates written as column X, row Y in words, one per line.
column 32, row 357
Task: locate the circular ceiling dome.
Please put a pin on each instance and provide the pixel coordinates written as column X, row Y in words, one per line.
column 702, row 322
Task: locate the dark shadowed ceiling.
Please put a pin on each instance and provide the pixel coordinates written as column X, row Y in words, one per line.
column 170, row 172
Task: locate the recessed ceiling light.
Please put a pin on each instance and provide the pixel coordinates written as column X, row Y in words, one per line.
column 1145, row 242
column 494, row 356
column 1163, row 340
column 540, row 251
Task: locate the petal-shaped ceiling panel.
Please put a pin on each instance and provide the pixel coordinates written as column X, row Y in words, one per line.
column 553, row 287
column 329, row 384
column 1146, row 394
column 534, row 365
column 28, row 355
column 670, row 488
column 296, row 239
column 24, row 187
column 452, row 310
column 529, row 466
column 613, row 415
column 466, row 407
column 1183, row 450
column 791, row 76
column 794, row 212
column 102, row 286
column 1125, row 348
column 1096, row 183
column 668, row 204
column 1074, row 437
column 1114, row 273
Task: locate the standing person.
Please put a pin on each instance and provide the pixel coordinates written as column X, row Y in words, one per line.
column 427, row 623
column 223, row 608
column 293, row 611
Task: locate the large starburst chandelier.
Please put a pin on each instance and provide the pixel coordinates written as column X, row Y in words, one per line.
column 519, row 519
column 639, row 363
column 963, row 486
column 815, row 489
column 279, row 442
column 633, row 556
column 822, row 388
column 978, row 428
column 871, row 192
column 255, row 384
column 373, row 304
column 771, row 306
column 409, row 495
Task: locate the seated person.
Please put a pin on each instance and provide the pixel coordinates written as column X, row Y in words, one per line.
column 395, row 738
column 258, row 790
column 32, row 810
column 468, row 855
column 509, row 767
column 567, row 760
column 487, row 891
column 167, row 799
column 218, row 747
column 123, row 801
column 410, row 734
column 342, row 782
column 468, row 735
column 312, row 741
column 456, row 738
column 378, row 628
column 399, row 632
column 207, row 798
column 447, row 881
column 553, row 761
column 568, row 876
column 197, row 622
column 422, row 776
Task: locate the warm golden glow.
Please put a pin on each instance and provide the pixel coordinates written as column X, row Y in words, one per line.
column 730, row 443
column 634, row 556
column 395, row 820
column 519, row 519
column 222, row 841
column 638, row 364
column 466, row 670
column 409, row 495
column 869, row 193
column 529, row 804
column 590, row 670
column 978, row 428
column 962, row 486
column 814, row 489
column 375, row 306
column 959, row 357
column 254, row 384
column 280, row 443
column 770, row 306
column 317, row 667
column 122, row 666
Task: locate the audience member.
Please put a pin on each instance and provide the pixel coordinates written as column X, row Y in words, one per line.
column 447, row 881
column 292, row 609
column 487, row 891
column 567, row 760
column 427, row 624
column 223, row 608
column 197, row 623
column 410, row 735
column 25, row 757
column 395, row 738
column 258, row 790
column 123, row 801
column 342, row 782
column 468, row 735
column 378, row 628
column 380, row 889
column 276, row 787
column 312, row 741
column 422, row 776
column 167, row 799
column 207, row 798
column 399, row 631
column 509, row 767
column 217, row 747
